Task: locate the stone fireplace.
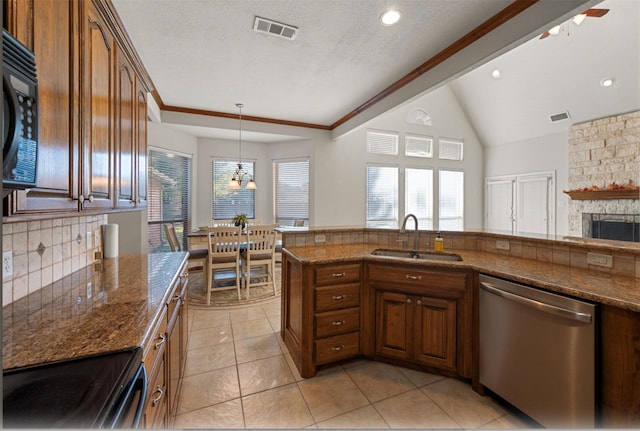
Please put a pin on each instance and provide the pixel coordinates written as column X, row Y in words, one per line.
column 602, row 152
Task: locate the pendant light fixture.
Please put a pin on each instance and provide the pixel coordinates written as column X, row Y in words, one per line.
column 236, row 180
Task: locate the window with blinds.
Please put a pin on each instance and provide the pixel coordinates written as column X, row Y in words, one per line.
column 291, row 192
column 225, row 203
column 168, row 200
column 450, row 149
column 379, row 142
column 382, row 196
column 451, row 200
column 419, row 196
column 418, row 146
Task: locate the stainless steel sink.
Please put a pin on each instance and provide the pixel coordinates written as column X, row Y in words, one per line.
column 408, row 254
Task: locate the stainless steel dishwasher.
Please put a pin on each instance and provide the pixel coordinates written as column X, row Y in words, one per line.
column 537, row 351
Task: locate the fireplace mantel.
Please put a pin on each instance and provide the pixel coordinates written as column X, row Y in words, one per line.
column 603, row 194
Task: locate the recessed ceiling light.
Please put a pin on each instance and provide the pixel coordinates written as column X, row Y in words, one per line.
column 495, row 74
column 607, row 82
column 390, row 17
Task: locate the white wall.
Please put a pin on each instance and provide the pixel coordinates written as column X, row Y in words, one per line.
column 545, row 153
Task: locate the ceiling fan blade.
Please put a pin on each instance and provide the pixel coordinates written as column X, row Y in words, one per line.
column 595, row 13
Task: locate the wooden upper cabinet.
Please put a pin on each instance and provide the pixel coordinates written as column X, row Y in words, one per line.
column 54, row 40
column 125, row 137
column 92, row 102
column 98, row 111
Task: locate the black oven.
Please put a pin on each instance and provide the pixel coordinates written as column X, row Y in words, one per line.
column 20, row 116
column 99, row 391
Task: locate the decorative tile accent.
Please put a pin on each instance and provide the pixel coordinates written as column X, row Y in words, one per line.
column 45, row 251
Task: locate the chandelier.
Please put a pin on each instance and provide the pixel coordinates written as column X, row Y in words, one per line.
column 236, row 180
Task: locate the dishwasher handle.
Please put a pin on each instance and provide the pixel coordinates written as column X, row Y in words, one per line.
column 548, row 308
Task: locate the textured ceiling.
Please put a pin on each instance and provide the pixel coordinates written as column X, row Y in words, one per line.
column 204, row 54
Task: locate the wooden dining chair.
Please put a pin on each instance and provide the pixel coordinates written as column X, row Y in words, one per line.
column 224, row 259
column 197, row 257
column 259, row 252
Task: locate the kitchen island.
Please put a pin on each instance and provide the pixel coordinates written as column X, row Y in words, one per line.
column 383, row 289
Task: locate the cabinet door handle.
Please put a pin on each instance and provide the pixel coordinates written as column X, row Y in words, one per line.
column 419, row 302
column 158, row 397
column 338, row 297
column 337, row 348
column 408, row 300
column 162, row 339
column 338, row 274
column 338, row 322
column 176, row 297
column 413, row 277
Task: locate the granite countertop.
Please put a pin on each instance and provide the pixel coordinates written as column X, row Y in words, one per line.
column 601, row 287
column 107, row 306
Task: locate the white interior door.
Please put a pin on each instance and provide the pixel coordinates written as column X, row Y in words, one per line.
column 533, row 205
column 499, row 204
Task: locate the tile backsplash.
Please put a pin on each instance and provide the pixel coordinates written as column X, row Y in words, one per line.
column 44, row 251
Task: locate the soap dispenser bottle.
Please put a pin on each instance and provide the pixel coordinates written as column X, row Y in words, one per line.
column 439, row 242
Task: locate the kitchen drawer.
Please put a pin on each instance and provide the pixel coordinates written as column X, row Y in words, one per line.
column 337, row 322
column 154, row 346
column 337, row 348
column 337, row 274
column 337, row 297
column 417, row 276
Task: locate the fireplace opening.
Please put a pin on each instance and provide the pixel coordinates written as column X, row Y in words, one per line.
column 619, row 227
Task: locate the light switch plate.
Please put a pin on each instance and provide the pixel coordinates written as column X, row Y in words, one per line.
column 598, row 259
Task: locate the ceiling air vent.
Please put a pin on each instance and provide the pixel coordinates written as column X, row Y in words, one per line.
column 275, row 28
column 559, row 117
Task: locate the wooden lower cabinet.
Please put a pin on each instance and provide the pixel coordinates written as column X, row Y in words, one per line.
column 422, row 316
column 321, row 317
column 165, row 358
column 416, row 328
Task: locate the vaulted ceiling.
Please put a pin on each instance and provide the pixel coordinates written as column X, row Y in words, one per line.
column 204, row 56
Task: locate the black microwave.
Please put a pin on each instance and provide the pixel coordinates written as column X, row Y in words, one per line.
column 20, row 116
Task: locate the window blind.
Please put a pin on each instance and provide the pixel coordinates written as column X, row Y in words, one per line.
column 382, row 142
column 451, row 200
column 419, row 196
column 450, row 149
column 225, row 203
column 382, row 196
column 418, row 146
column 168, row 200
column 291, row 194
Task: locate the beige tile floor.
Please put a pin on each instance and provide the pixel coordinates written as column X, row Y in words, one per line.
column 240, row 375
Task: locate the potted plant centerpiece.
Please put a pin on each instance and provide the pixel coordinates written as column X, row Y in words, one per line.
column 240, row 220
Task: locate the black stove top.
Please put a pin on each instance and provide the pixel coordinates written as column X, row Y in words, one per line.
column 76, row 393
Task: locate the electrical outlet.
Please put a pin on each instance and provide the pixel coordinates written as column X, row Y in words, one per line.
column 89, row 290
column 89, row 242
column 320, row 238
column 598, row 259
column 7, row 264
column 502, row 244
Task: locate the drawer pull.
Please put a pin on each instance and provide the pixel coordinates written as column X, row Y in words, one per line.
column 413, row 277
column 158, row 397
column 337, row 348
column 338, row 297
column 419, row 302
column 162, row 339
column 338, row 274
column 338, row 322
column 408, row 300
